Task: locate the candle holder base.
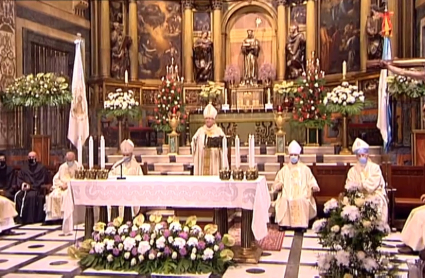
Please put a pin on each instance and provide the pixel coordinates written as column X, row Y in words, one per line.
column 238, row 174
column 268, row 106
column 225, row 107
column 250, row 255
column 252, row 174
column 225, row 174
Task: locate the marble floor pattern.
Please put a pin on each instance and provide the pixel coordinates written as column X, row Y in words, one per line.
column 41, row 251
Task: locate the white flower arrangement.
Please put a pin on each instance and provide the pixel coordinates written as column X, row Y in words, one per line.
column 121, row 103
column 211, row 91
column 353, row 233
column 345, row 99
column 399, row 85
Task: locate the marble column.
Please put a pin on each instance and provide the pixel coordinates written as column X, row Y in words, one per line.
column 132, row 32
column 217, row 40
column 364, row 13
column 187, row 40
column 393, row 7
column 282, row 30
column 311, row 28
column 105, row 39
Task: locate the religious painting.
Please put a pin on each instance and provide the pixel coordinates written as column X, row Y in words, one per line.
column 370, row 90
column 298, row 15
column 339, row 22
column 160, row 38
column 201, row 22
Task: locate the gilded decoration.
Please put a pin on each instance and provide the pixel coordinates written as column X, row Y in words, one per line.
column 8, row 63
column 160, row 37
column 339, row 35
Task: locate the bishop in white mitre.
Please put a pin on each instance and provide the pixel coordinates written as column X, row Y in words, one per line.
column 54, row 201
column 295, row 204
column 7, row 213
column 368, row 176
column 413, row 233
column 130, row 167
column 207, row 161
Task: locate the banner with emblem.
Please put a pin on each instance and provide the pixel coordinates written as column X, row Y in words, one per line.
column 78, row 114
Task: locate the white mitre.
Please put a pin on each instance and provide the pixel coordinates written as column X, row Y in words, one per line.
column 294, row 148
column 360, row 146
column 210, row 111
column 127, row 146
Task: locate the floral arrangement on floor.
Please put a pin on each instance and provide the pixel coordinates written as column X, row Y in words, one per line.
column 211, row 92
column 168, row 100
column 399, row 85
column 121, row 104
column 267, row 73
column 309, row 109
column 353, row 232
column 232, row 75
column 43, row 89
column 345, row 99
column 166, row 247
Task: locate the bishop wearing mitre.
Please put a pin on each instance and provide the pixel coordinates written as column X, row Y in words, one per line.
column 207, row 157
column 54, row 201
column 368, row 177
column 130, row 166
column 295, row 204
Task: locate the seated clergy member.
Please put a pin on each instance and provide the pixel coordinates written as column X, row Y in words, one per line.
column 207, row 161
column 7, row 213
column 29, row 199
column 54, row 201
column 413, row 231
column 130, row 167
column 7, row 179
column 368, row 176
column 295, row 204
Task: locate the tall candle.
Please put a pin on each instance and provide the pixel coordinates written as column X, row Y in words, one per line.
column 224, row 154
column 268, row 96
column 102, row 152
column 253, row 151
column 225, row 96
column 80, row 150
column 344, row 69
column 126, row 77
column 91, row 157
column 249, row 150
column 237, row 152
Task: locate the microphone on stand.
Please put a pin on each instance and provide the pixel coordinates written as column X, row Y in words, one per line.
column 119, row 163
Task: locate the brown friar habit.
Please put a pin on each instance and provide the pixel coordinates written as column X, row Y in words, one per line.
column 8, row 181
column 30, row 204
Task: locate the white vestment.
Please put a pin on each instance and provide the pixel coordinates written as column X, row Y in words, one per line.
column 7, row 213
column 371, row 182
column 131, row 168
column 207, row 162
column 54, row 201
column 413, row 233
column 295, row 205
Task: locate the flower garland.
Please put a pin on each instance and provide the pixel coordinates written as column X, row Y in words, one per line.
column 353, row 231
column 169, row 100
column 121, row 104
column 400, row 85
column 43, row 89
column 166, row 247
column 345, row 99
column 309, row 110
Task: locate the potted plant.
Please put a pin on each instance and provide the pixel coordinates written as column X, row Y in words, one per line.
column 402, row 86
column 160, row 248
column 267, row 73
column 285, row 92
column 210, row 93
column 232, row 75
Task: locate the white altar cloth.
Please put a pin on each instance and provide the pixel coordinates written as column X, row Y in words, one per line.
column 172, row 191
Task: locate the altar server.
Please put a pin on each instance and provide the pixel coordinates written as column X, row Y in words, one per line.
column 130, row 167
column 295, row 204
column 30, row 200
column 7, row 213
column 54, row 201
column 368, row 176
column 207, row 160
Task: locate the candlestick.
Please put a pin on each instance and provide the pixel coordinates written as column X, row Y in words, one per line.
column 102, row 152
column 182, row 79
column 126, row 77
column 249, row 151
column 224, row 154
column 279, row 108
column 91, row 157
column 80, row 150
column 268, row 95
column 225, row 96
column 344, row 69
column 237, row 152
column 174, row 109
column 253, row 151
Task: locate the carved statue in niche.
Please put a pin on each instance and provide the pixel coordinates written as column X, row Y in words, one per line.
column 250, row 50
column 202, row 58
column 295, row 53
column 373, row 30
column 120, row 45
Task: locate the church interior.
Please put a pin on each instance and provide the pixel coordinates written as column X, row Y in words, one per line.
column 267, row 72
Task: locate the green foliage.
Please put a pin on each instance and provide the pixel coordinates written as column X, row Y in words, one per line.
column 399, row 86
column 43, row 89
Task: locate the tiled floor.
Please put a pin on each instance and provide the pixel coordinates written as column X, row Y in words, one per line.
column 41, row 251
